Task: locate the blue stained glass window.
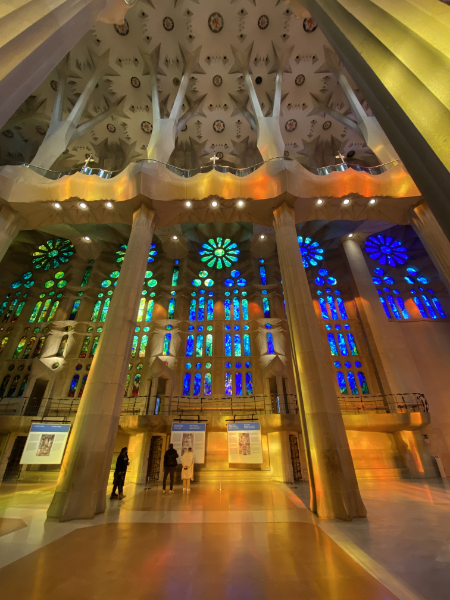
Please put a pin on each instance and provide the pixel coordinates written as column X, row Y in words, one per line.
column 270, row 348
column 376, row 280
column 199, row 345
column 134, row 346
column 341, row 307
column 323, row 308
column 73, row 386
column 402, row 307
column 331, row 280
column 236, row 309
column 229, row 282
column 148, row 316
column 192, row 308
column 423, row 280
column 228, row 384
column 409, row 279
column 379, row 271
column 187, row 384
column 241, row 282
column 386, row 250
column 207, row 385
column 166, row 349
column 347, row 364
column 412, row 270
column 363, row 383
column 245, row 309
column 227, row 304
column 323, row 272
column 352, row 382
column 266, row 308
column 337, row 364
column 105, row 310
column 171, row 309
column 190, row 345
column 248, row 383
column 420, row 307
column 210, row 310
column 237, row 345
column 247, row 349
column 342, row 344
column 197, row 384
column 341, row 383
column 238, row 383
column 76, row 306
column 393, row 306
column 227, row 344
column 201, row 309
column 439, row 308
column 319, row 281
column 262, row 272
column 209, row 344
column 351, row 343
column 330, row 301
column 428, row 304
column 332, row 343
column 175, row 274
column 385, row 306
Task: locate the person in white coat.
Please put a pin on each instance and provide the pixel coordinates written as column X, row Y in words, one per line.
column 187, row 471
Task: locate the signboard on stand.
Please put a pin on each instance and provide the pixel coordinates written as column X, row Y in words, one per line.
column 244, row 443
column 45, row 444
column 189, row 435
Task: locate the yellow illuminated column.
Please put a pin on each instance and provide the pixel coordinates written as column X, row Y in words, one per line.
column 81, row 489
column 333, row 484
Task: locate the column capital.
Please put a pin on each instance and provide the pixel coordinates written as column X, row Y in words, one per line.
column 284, row 215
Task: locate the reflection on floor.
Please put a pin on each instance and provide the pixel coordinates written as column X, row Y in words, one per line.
column 248, row 540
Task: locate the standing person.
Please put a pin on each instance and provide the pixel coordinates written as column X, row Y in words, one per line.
column 170, row 464
column 187, row 472
column 119, row 474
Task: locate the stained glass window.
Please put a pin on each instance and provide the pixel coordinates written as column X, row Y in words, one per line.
column 82, row 386
column 248, row 383
column 141, row 309
column 134, row 346
column 209, row 345
column 385, row 306
column 29, row 347
column 352, row 383
column 76, row 306
column 176, row 271
column 351, row 343
column 228, row 384
column 105, row 310
column 199, row 345
column 363, row 383
column 386, row 250
column 323, row 308
column 73, row 386
column 44, row 310
column 2, row 307
column 96, row 310
column 3, row 344
column 439, row 308
column 341, row 383
column 52, row 254
column 197, row 384
column 219, row 252
column 227, row 344
column 23, row 386
column 266, row 308
column 166, row 349
column 18, row 311
column 330, row 301
column 207, row 384
column 20, row 346
column 341, row 307
column 86, row 276
column 210, row 310
column 94, row 346
column 430, row 308
column 136, row 384
column 187, row 384
column 269, row 339
column 245, row 309
column 342, row 344
column 227, row 309
column 39, row 346
column 262, row 272
column 247, row 349
column 127, row 384
column 4, row 385
column 85, row 346
column 192, row 308
column 332, row 344
column 143, row 346
column 62, row 345
column 10, row 310
column 402, row 307
column 201, row 309
column 148, row 316
column 420, row 307
column 236, row 309
column 238, row 384
column 237, row 345
column 393, row 306
column 190, row 345
column 14, row 384
column 310, row 251
column 171, row 309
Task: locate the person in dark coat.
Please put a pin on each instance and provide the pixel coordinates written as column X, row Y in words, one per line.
column 119, row 474
column 170, row 464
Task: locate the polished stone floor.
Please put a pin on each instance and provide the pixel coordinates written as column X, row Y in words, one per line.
column 246, row 540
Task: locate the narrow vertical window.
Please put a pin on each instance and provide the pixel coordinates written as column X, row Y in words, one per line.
column 4, row 385
column 420, row 307
column 363, row 383
column 190, row 345
column 342, row 344
column 35, row 311
column 332, row 344
column 62, row 345
column 245, row 309
column 192, row 308
column 39, row 346
column 29, row 347
column 148, row 316
column 105, row 310
column 248, row 383
column 269, row 340
column 175, row 273
column 402, row 307
column 237, row 345
column 330, row 301
column 12, row 389
column 94, row 346
column 53, row 311
column 86, row 276
column 209, row 344
column 3, row 344
column 187, row 384
column 10, row 310
column 228, row 384
column 247, row 349
column 75, row 307
column 134, row 346
column 227, row 344
column 210, row 310
column 385, row 306
column 197, row 384
column 141, row 309
column 439, row 308
column 73, row 386
column 262, row 273
column 82, row 386
column 85, row 346
column 20, row 346
column 266, row 308
column 207, row 384
column 393, row 306
column 427, row 303
column 2, row 307
column 127, row 385
column 201, row 309
column 199, row 345
column 44, row 311
column 227, row 304
column 236, row 309
column 96, row 311
column 341, row 307
column 23, row 385
column 143, row 346
column 323, row 308
column 352, row 383
column 18, row 311
column 171, row 310
column 136, row 384
column 352, row 344
column 166, row 348
column 238, row 384
column 341, row 383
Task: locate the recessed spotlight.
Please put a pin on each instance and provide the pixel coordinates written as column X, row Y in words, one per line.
column 109, row 204
column 188, row 204
column 87, row 239
column 57, row 205
column 262, row 237
column 372, row 201
column 174, row 237
column 214, row 204
column 319, row 201
column 240, row 203
column 350, row 235
column 346, row 201
column 83, row 205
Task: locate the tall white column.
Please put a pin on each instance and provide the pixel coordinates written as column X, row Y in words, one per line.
column 10, row 224
column 81, row 489
column 333, row 484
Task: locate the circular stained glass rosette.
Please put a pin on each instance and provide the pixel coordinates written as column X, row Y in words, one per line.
column 49, row 284
column 16, row 284
column 152, row 283
column 203, row 274
column 28, row 284
column 209, row 282
column 386, row 250
column 61, row 283
column 27, row 275
column 219, row 253
column 59, row 275
column 310, row 251
column 241, row 282
column 106, row 283
column 196, row 282
column 52, row 254
column 122, row 250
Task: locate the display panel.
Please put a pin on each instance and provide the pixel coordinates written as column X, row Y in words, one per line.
column 244, row 443
column 45, row 444
column 189, row 435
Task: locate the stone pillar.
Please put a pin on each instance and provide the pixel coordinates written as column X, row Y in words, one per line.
column 81, row 489
column 433, row 238
column 139, row 450
column 10, row 224
column 333, row 484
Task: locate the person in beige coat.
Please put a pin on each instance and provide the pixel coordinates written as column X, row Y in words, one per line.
column 187, row 471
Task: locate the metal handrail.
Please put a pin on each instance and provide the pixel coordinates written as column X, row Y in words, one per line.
column 389, row 403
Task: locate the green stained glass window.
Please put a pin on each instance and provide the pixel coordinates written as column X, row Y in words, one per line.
column 148, row 274
column 141, row 309
column 237, row 345
column 35, row 311
column 2, row 307
column 16, row 284
column 50, row 283
column 52, row 254
column 18, row 311
column 53, row 311
column 152, row 283
column 143, row 346
column 122, row 250
column 20, row 346
column 3, row 344
column 236, row 309
column 59, row 275
column 62, row 346
column 29, row 284
column 199, row 346
column 247, row 349
column 197, row 282
column 127, row 384
column 10, row 310
column 29, row 347
column 134, row 346
column 175, row 274
column 86, row 276
column 209, row 282
column 114, row 274
column 27, row 275
column 105, row 310
column 76, row 306
column 207, row 384
column 62, row 283
column 85, row 346
column 171, row 309
column 166, row 348
column 219, row 253
column 106, row 283
column 245, row 310
column 148, row 316
column 209, row 344
column 43, row 314
column 96, row 310
column 39, row 346
column 94, row 346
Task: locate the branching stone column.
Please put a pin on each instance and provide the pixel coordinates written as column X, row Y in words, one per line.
column 333, row 484
column 433, row 238
column 81, row 489
column 10, row 224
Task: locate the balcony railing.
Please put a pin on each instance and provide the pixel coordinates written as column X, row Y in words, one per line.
column 391, row 403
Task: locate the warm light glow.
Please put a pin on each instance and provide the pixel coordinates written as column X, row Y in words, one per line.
column 240, row 203
column 188, row 204
column 57, row 205
column 214, row 204
column 262, row 237
column 319, row 201
column 87, row 239
column 109, row 204
column 372, row 201
column 346, row 201
column 83, row 205
column 350, row 235
column 174, row 237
